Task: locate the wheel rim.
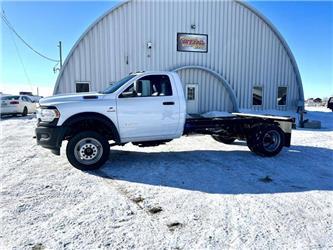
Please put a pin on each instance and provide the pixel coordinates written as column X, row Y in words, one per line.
column 272, row 140
column 88, row 151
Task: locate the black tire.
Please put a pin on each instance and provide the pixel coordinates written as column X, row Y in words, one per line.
column 224, row 139
column 266, row 140
column 25, row 111
column 87, row 150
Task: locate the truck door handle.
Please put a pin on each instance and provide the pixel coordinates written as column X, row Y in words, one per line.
column 168, row 103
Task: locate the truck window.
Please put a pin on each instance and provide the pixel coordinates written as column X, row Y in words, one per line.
column 143, row 88
column 148, row 86
column 128, row 92
column 115, row 86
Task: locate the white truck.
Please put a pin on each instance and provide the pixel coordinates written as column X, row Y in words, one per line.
column 146, row 109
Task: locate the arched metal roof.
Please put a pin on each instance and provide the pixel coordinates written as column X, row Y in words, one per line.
column 284, row 43
column 82, row 37
column 252, row 9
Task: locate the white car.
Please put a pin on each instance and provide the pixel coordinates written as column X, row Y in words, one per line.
column 17, row 104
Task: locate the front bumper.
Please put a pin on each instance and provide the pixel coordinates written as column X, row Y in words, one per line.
column 50, row 138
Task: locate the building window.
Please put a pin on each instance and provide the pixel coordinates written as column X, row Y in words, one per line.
column 257, row 95
column 190, row 93
column 154, row 85
column 82, row 87
column 282, row 96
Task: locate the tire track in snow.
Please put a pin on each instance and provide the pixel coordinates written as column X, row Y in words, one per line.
column 109, row 180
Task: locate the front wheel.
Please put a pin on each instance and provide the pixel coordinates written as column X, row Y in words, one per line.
column 88, row 150
column 266, row 140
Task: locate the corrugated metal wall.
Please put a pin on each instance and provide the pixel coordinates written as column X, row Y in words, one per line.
column 241, row 47
column 211, row 93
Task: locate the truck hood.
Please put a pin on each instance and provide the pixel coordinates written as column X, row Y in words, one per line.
column 57, row 99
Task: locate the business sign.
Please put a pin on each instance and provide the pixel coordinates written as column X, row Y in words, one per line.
column 192, row 42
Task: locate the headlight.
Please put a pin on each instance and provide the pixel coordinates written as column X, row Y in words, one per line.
column 47, row 115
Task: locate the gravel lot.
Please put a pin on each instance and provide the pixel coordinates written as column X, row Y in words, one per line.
column 192, row 193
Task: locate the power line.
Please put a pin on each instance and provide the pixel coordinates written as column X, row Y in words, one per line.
column 21, row 60
column 10, row 26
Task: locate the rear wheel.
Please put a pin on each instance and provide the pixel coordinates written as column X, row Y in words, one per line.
column 88, row 150
column 266, row 140
column 224, row 139
column 25, row 111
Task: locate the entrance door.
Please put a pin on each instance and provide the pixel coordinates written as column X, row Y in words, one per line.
column 192, row 103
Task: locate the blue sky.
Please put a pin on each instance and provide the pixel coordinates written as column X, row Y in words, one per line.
column 306, row 26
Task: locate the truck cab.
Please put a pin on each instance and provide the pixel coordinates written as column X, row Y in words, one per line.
column 150, row 106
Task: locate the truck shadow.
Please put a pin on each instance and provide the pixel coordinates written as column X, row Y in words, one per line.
column 296, row 169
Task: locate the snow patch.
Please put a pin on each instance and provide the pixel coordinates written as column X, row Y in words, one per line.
column 208, row 195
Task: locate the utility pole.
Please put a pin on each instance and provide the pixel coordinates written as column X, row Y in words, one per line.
column 60, row 54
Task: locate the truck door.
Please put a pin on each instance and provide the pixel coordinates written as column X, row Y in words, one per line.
column 148, row 109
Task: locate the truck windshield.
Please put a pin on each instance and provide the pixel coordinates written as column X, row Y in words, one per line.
column 112, row 88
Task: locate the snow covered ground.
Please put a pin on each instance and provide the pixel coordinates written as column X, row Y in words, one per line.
column 192, row 193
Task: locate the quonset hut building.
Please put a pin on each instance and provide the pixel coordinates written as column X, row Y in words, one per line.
column 228, row 55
